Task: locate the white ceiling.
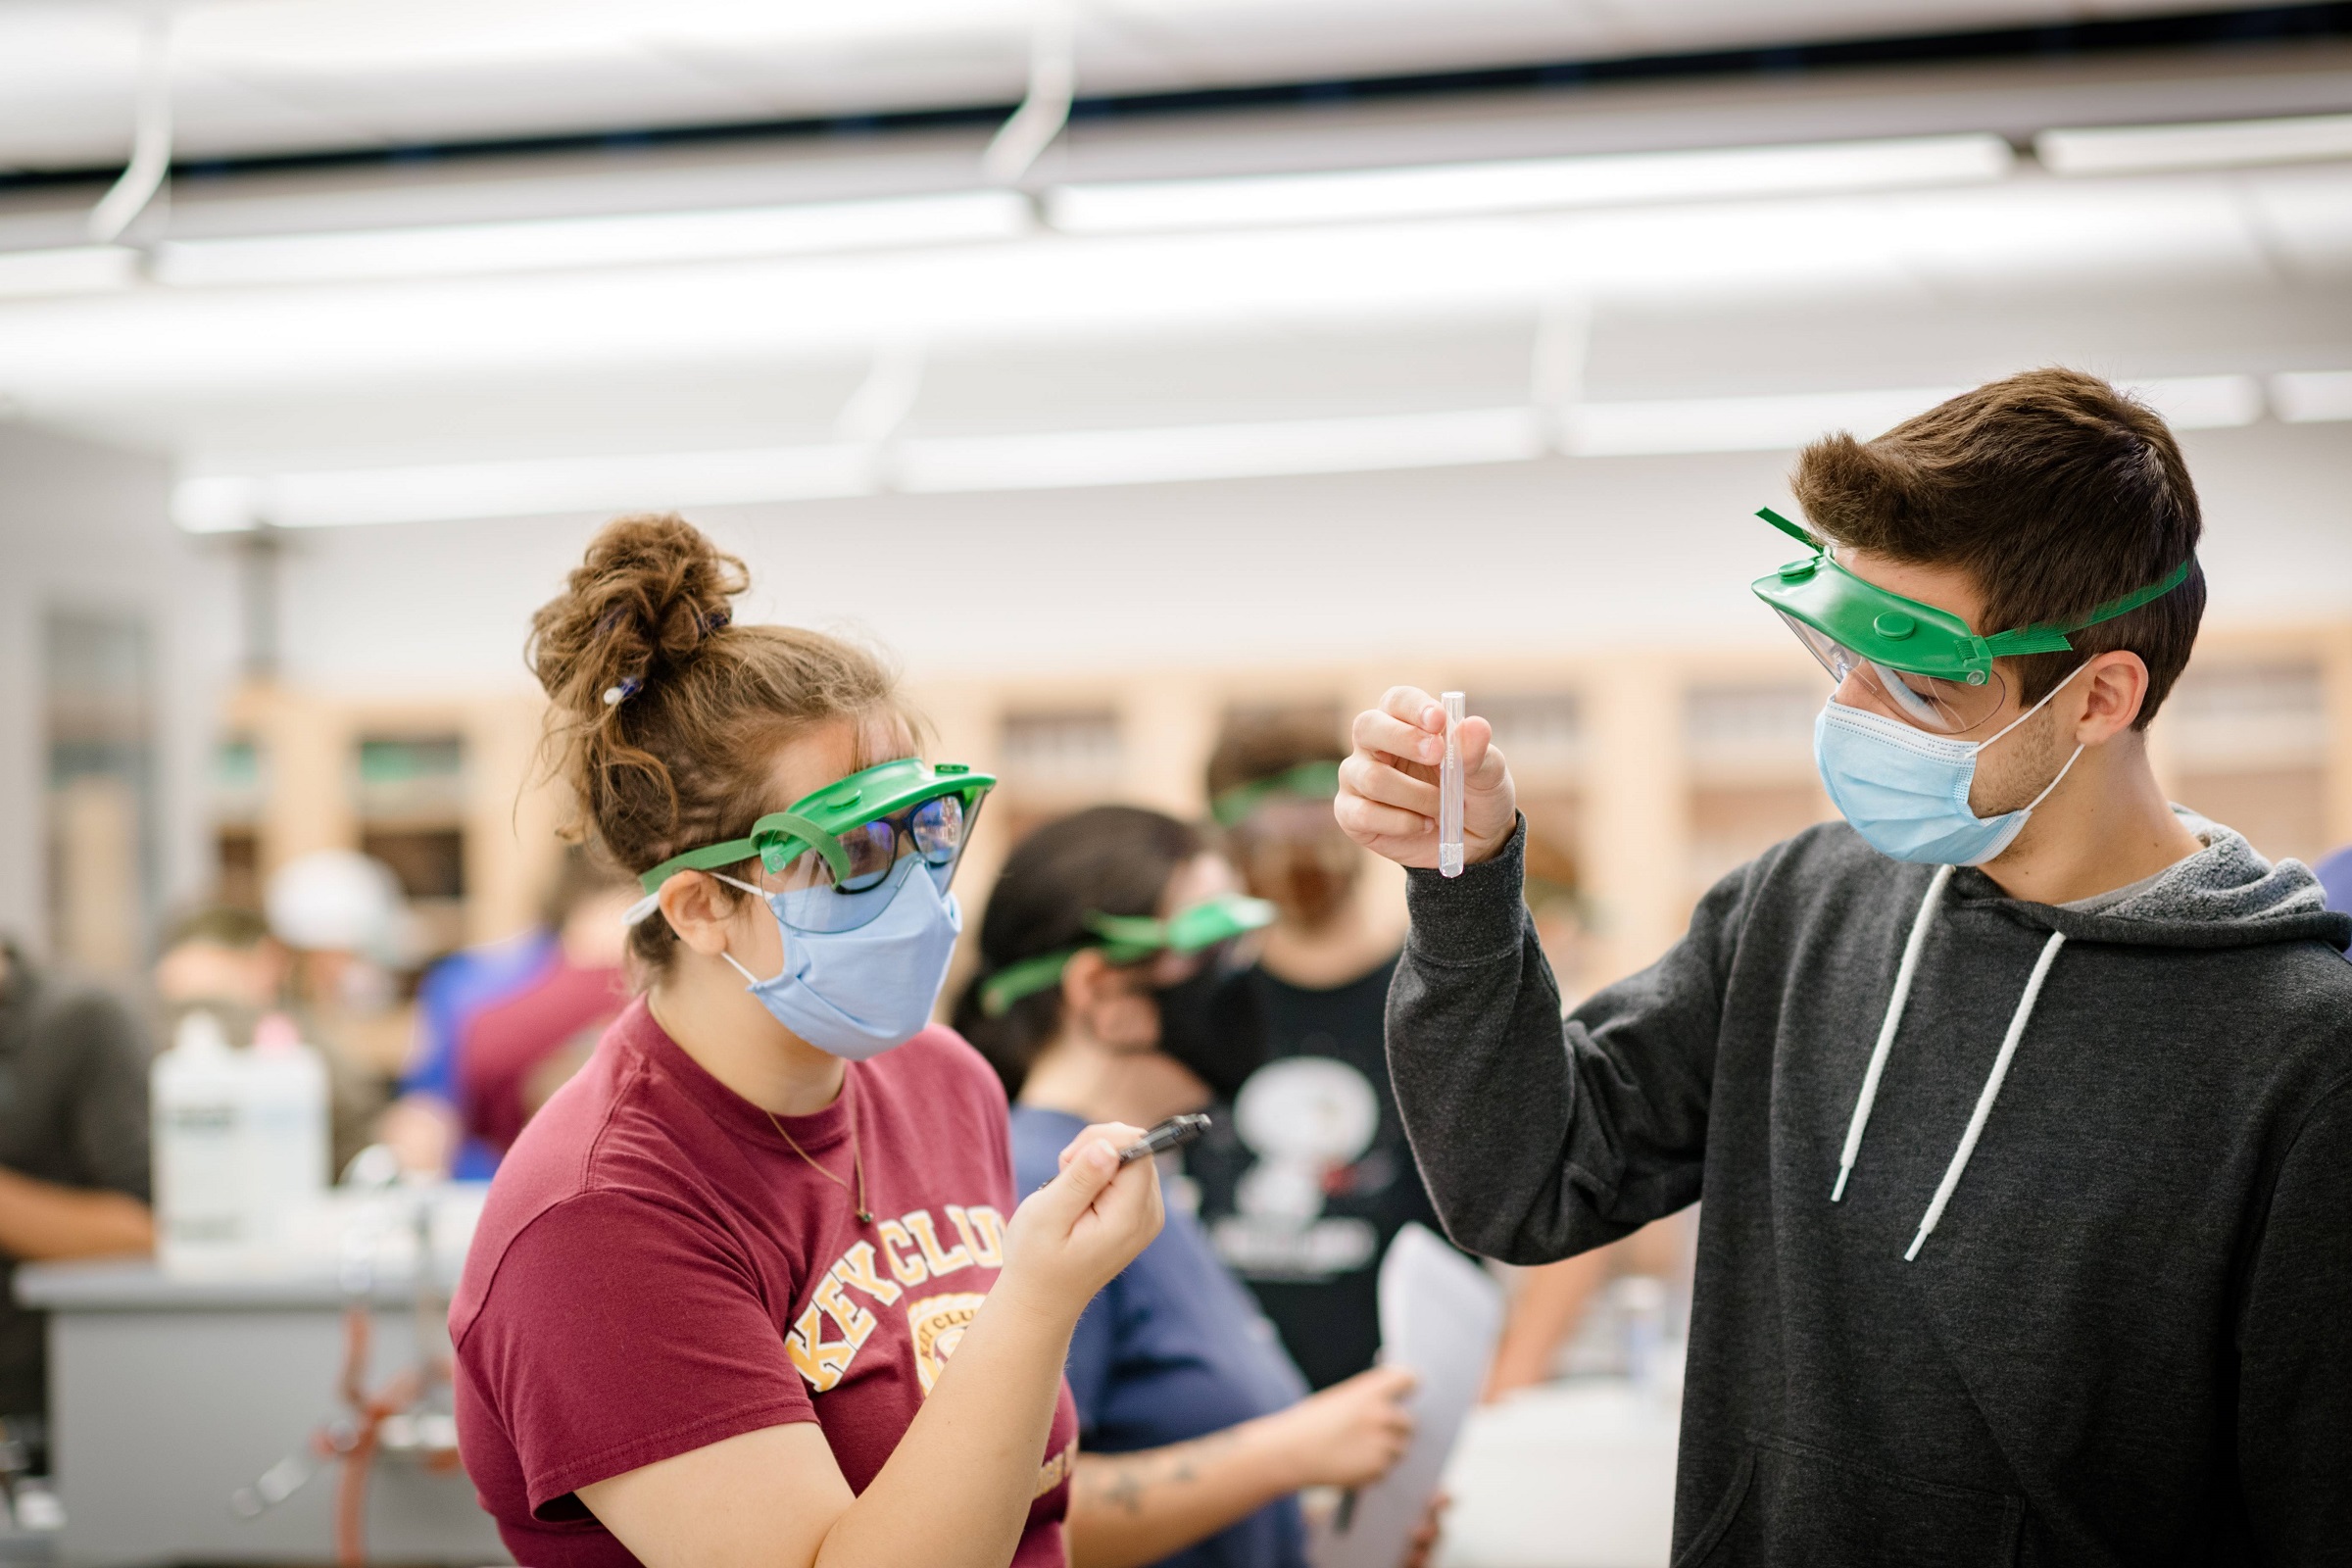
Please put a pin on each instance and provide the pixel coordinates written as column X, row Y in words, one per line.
column 265, row 76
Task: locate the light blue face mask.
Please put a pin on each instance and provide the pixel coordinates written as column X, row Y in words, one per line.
column 857, row 992
column 1906, row 791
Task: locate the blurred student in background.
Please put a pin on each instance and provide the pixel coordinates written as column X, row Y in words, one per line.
column 1310, row 1178
column 518, row 1051
column 1195, row 1428
column 433, row 1125
column 73, row 1152
column 1303, row 1186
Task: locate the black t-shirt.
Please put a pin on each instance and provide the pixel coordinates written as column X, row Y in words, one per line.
column 1306, row 1176
column 72, row 1113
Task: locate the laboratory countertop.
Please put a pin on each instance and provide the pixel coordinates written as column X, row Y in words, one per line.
column 140, row 1285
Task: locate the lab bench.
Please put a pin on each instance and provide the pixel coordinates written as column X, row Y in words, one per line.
column 168, row 1397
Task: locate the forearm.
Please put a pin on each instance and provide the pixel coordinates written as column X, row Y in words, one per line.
column 1132, row 1508
column 41, row 1220
column 956, row 1493
column 1480, row 1063
column 1547, row 1306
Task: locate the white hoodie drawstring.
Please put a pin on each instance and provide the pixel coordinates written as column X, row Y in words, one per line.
column 1904, row 973
column 1992, row 1091
column 1894, row 1017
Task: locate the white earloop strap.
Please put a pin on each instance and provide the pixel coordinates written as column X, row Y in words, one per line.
column 2035, row 709
column 758, row 892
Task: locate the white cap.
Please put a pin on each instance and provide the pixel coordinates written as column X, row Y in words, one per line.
column 338, row 899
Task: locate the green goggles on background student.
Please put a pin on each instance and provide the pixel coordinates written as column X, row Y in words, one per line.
column 1309, row 781
column 1926, row 663
column 1131, row 938
column 835, row 855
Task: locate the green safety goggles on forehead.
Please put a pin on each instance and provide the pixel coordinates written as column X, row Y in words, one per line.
column 1927, row 664
column 1310, row 781
column 1130, row 939
column 831, row 854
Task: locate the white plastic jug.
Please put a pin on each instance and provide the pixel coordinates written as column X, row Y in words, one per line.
column 240, row 1145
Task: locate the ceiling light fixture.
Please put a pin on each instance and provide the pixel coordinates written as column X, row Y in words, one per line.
column 567, row 243
column 1071, row 459
column 2219, row 144
column 2308, row 397
column 1525, row 185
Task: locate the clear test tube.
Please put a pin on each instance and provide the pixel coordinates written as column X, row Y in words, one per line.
column 1450, row 791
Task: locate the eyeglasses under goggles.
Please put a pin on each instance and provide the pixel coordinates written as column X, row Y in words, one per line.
column 834, row 858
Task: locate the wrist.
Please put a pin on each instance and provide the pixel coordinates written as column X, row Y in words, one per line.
column 1025, row 1308
column 1276, row 1451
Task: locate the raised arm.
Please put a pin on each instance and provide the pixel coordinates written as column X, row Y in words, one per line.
column 957, row 1490
column 1538, row 1136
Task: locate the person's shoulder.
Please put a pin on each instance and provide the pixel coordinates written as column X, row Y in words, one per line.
column 599, row 1153
column 85, row 1017
column 1038, row 1139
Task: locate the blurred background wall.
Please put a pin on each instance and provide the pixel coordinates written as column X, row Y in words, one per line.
column 1322, row 347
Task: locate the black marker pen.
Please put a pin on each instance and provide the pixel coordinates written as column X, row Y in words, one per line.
column 1174, row 1133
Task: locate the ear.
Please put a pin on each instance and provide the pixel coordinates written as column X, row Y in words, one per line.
column 1087, row 982
column 2114, row 685
column 700, row 909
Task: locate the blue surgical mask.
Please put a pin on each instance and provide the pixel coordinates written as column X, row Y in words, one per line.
column 857, row 992
column 1906, row 791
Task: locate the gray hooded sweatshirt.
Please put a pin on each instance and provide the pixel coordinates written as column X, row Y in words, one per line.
column 2082, row 1293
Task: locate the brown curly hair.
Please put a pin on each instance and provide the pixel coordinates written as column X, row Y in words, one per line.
column 663, row 715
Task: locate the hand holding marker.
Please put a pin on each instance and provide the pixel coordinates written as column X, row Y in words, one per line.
column 1174, row 1133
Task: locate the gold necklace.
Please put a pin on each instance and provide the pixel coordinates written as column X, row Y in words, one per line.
column 866, row 1217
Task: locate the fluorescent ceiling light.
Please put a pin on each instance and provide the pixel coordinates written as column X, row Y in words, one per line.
column 429, row 493
column 2308, row 397
column 1064, row 459
column 1068, row 459
column 72, row 269
column 2201, row 402
column 1452, row 190
column 1737, row 425
column 632, row 239
column 2222, row 144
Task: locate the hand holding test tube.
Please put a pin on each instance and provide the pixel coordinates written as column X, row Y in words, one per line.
column 1450, row 791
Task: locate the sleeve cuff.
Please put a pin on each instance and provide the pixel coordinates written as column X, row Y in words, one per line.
column 1474, row 917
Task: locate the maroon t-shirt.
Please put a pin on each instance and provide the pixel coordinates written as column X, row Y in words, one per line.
column 657, row 1270
column 500, row 1043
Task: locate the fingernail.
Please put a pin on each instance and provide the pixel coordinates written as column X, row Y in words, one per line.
column 1101, row 1156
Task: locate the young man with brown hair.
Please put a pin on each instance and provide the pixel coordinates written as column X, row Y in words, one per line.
column 2021, row 1100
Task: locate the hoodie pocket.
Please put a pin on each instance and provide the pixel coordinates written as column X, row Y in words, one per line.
column 1793, row 1505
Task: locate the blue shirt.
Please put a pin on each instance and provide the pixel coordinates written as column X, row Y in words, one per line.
column 2335, row 880
column 1174, row 1349
column 451, row 992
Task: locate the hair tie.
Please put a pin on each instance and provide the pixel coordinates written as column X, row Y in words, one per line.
column 629, row 687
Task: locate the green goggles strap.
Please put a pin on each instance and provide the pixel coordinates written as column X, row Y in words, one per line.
column 2050, row 638
column 1313, row 781
column 776, row 839
column 1129, row 939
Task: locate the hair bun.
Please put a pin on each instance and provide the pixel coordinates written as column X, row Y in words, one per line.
column 651, row 592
